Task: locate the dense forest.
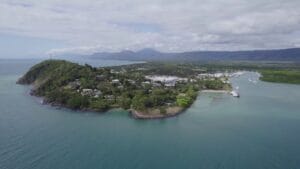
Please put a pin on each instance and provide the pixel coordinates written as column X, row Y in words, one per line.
column 281, row 76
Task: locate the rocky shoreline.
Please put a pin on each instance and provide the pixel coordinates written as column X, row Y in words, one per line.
column 143, row 115
column 171, row 112
column 148, row 114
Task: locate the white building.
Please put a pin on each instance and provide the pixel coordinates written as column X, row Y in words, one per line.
column 212, row 75
column 115, row 81
column 168, row 81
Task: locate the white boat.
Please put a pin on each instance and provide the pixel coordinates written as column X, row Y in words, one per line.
column 235, row 93
column 252, row 81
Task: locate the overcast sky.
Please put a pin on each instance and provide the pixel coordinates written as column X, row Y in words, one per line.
column 43, row 27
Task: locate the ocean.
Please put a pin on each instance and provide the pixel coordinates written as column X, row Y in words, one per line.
column 259, row 130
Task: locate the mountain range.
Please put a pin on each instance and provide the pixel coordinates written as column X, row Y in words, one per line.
column 292, row 54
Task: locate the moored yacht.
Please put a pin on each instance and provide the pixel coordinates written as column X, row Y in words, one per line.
column 235, row 93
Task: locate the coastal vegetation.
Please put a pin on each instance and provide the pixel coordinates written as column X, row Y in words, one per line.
column 281, row 76
column 149, row 89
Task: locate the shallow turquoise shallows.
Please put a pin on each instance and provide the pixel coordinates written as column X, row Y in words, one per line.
column 260, row 130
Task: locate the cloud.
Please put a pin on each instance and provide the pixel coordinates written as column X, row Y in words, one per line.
column 88, row 26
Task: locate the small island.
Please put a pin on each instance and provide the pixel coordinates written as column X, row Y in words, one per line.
column 146, row 90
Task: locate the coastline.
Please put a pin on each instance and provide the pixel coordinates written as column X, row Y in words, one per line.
column 141, row 115
column 100, row 90
column 171, row 112
column 214, row 91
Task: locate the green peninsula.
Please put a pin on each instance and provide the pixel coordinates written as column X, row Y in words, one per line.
column 147, row 90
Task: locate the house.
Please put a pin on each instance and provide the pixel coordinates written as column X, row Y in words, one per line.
column 168, row 81
column 181, row 94
column 224, row 80
column 146, row 82
column 156, row 84
column 74, row 85
column 91, row 92
column 87, row 92
column 100, row 77
column 131, row 81
column 141, row 68
column 109, row 97
column 120, row 87
column 115, row 81
column 123, row 70
column 115, row 72
column 211, row 75
column 192, row 80
column 97, row 93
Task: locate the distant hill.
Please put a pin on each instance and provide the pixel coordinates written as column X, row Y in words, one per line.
column 292, row 54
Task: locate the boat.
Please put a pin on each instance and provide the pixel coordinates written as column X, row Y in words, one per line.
column 252, row 81
column 235, row 93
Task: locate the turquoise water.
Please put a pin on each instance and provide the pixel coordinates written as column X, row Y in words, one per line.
column 260, row 130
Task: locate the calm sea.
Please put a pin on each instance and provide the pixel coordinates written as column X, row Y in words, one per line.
column 260, row 130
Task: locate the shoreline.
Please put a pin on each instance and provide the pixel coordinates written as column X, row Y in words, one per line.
column 214, row 91
column 135, row 114
column 101, row 89
column 150, row 115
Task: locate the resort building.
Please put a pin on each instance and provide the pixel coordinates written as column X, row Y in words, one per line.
column 168, row 81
